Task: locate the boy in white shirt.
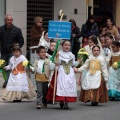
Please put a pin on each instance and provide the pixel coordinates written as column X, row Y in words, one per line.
column 42, row 68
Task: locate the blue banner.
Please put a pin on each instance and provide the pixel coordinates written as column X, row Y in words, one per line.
column 60, row 30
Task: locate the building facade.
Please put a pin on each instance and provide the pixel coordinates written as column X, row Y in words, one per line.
column 24, row 12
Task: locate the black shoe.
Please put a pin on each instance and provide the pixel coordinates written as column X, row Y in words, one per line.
column 94, row 103
column 49, row 101
column 87, row 101
column 38, row 107
column 66, row 107
column 16, row 100
column 4, row 84
column 61, row 104
column 44, row 106
column 112, row 99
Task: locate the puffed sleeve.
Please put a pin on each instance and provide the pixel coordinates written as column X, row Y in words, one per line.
column 85, row 66
column 52, row 65
column 74, row 63
column 108, row 57
column 9, row 66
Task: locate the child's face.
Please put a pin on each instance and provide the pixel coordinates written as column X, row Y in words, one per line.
column 90, row 43
column 52, row 46
column 103, row 43
column 114, row 48
column 46, row 37
column 108, row 40
column 96, row 51
column 42, row 54
column 16, row 53
column 66, row 46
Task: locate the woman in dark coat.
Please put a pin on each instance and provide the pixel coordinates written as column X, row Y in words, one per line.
column 75, row 35
column 88, row 29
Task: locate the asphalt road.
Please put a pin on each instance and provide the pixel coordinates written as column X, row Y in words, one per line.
column 26, row 110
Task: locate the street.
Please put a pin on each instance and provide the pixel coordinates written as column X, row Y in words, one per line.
column 26, row 110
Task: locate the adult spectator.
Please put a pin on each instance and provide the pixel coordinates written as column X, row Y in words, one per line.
column 75, row 35
column 110, row 27
column 36, row 31
column 9, row 35
column 88, row 29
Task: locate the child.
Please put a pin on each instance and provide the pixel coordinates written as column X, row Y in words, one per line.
column 93, row 87
column 42, row 69
column 19, row 85
column 114, row 75
column 92, row 40
column 105, row 51
column 51, row 48
column 44, row 40
column 50, row 53
column 109, row 39
column 66, row 80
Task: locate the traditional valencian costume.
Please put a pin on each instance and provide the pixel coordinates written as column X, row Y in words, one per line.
column 19, row 85
column 114, row 78
column 93, row 86
column 66, row 80
column 42, row 68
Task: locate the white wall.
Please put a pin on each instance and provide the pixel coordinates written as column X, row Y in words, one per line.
column 2, row 12
column 19, row 10
column 68, row 7
column 118, row 13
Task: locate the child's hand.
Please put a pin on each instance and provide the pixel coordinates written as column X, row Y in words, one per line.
column 5, row 68
column 73, row 35
column 57, row 64
column 79, row 60
column 75, row 69
column 30, row 70
column 57, row 55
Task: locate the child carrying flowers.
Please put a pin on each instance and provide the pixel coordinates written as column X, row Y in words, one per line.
column 114, row 72
column 19, row 85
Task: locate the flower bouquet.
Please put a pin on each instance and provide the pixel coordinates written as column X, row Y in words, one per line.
column 2, row 65
column 116, row 65
column 26, row 64
column 82, row 55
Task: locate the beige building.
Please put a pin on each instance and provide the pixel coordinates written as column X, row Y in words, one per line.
column 24, row 12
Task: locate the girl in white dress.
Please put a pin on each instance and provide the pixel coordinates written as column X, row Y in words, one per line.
column 93, row 87
column 66, row 79
column 19, row 85
column 92, row 40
